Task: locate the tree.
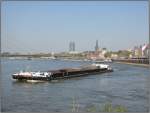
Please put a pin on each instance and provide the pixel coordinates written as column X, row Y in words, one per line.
column 108, row 55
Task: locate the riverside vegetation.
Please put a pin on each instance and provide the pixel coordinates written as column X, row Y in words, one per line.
column 108, row 107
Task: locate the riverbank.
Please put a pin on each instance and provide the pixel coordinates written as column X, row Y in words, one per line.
column 135, row 64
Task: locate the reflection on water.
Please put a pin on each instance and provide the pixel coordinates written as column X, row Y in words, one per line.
column 125, row 86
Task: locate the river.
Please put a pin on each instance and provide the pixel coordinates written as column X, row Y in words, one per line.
column 126, row 86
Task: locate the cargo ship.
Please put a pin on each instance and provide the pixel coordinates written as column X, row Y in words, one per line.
column 49, row 75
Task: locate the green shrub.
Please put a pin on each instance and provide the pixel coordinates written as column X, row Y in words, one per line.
column 91, row 109
column 117, row 108
column 106, row 108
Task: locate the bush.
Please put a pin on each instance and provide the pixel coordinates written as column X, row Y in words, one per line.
column 117, row 108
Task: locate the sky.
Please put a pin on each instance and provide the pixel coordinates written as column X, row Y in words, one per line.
column 33, row 27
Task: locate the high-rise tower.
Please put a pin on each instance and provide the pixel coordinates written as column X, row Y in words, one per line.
column 72, row 46
column 96, row 46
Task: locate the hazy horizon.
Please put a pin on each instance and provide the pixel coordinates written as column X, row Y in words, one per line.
column 49, row 26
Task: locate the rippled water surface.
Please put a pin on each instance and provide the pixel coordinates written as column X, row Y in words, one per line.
column 125, row 86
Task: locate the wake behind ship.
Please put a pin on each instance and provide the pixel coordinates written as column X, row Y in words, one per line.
column 63, row 73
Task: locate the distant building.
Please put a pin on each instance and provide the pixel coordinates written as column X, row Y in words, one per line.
column 104, row 51
column 98, row 53
column 74, row 52
column 137, row 52
column 145, row 50
column 71, row 46
column 96, row 46
column 141, row 51
column 92, row 55
column 114, row 56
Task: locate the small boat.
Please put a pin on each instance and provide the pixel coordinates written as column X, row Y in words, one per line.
column 95, row 68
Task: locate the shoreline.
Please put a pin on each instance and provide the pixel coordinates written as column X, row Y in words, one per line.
column 134, row 64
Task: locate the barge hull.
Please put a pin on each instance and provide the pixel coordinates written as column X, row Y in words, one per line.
column 63, row 75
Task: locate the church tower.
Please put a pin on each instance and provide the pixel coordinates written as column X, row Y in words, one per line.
column 96, row 46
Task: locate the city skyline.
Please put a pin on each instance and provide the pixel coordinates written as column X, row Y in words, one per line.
column 50, row 26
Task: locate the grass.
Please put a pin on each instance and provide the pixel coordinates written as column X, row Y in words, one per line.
column 106, row 108
column 118, row 108
column 92, row 109
column 75, row 105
